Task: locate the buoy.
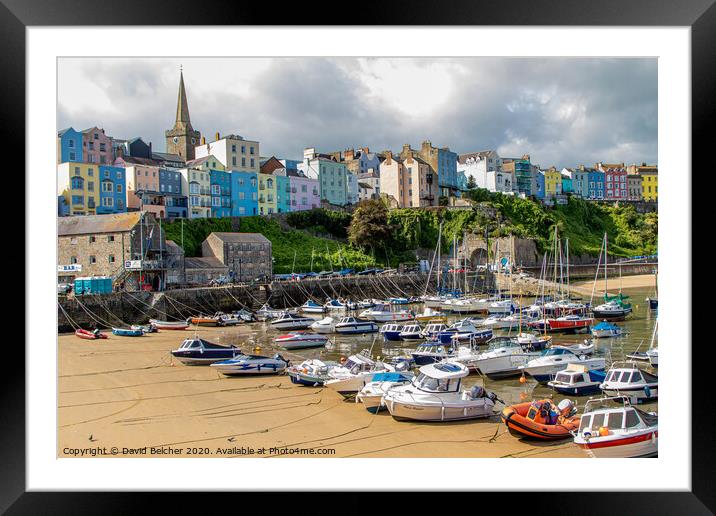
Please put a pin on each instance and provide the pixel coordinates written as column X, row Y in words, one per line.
column 342, row 359
column 523, row 379
column 603, row 431
column 257, row 349
column 523, row 395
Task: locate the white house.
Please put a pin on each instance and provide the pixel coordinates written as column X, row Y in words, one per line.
column 485, row 167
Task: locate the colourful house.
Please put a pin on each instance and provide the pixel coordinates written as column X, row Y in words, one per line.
column 552, row 182
column 79, row 184
column 595, row 184
column 566, row 184
column 220, row 193
column 244, row 193
column 170, row 187
column 267, row 194
column 69, row 145
column 615, row 181
column 113, row 190
column 649, row 182
column 305, row 193
column 331, row 175
column 579, row 181
column 539, row 185
column 196, row 182
column 283, row 193
column 97, row 147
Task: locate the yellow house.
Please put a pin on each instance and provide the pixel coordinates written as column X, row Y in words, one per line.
column 552, row 182
column 79, row 184
column 650, row 180
column 267, row 194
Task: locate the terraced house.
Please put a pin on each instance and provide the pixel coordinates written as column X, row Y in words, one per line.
column 650, row 180
column 332, row 176
column 196, row 181
column 267, row 194
column 143, row 189
column 81, row 187
column 615, row 181
column 69, row 145
column 234, row 152
column 244, row 193
column 97, row 146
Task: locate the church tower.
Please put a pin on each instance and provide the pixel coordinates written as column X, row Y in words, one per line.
column 182, row 138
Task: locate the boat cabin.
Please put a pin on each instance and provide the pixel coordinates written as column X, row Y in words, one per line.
column 440, row 377
column 609, row 413
column 411, row 328
column 434, row 328
column 390, row 328
column 629, row 375
column 348, row 320
column 195, row 344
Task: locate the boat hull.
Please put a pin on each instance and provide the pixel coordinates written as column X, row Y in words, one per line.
column 354, row 329
column 249, row 369
column 410, row 411
column 519, row 426
column 643, row 445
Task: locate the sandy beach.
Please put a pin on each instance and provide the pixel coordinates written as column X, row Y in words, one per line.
column 626, row 282
column 131, row 395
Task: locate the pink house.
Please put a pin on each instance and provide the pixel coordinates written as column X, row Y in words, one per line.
column 305, row 192
column 143, row 185
column 96, row 146
column 615, row 181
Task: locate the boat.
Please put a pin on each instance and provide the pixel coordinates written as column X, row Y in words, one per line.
column 312, row 372
column 266, row 313
column 464, row 330
column 228, row 319
column 371, row 395
column 90, row 335
column 613, row 428
column 625, row 378
column 433, row 328
column 502, row 359
column 311, row 307
column 577, row 380
column 204, row 320
column 430, row 315
column 411, row 332
column 653, row 356
column 465, row 306
column 564, row 324
column 382, row 312
column 251, row 365
column 434, row 395
column 533, row 341
column 333, row 305
column 612, row 310
column 399, row 300
column 582, row 348
column 555, row 359
column 352, row 375
column 244, row 315
column 196, row 351
column 325, row 325
column 169, row 325
column 145, row 328
column 433, row 351
column 503, row 307
column 127, row 332
column 298, row 340
column 391, row 332
column 351, row 325
column 290, row 321
column 541, row 420
column 606, row 329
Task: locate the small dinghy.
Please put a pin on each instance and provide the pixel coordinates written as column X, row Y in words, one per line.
column 577, row 380
column 626, row 379
column 541, row 420
column 196, row 351
column 202, row 320
column 325, row 325
column 391, row 332
column 606, row 329
column 612, row 428
column 252, row 365
column 127, row 332
column 90, row 335
column 311, row 307
column 312, row 373
column 145, row 328
column 371, row 395
column 169, row 325
column 301, row 340
column 434, row 395
column 353, row 326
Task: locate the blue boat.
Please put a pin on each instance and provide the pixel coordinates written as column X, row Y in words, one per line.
column 391, row 332
column 127, row 332
column 578, row 380
column 464, row 330
column 398, row 300
column 242, row 365
column 196, row 351
column 606, row 329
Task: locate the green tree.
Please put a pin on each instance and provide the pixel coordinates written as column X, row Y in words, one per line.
column 369, row 227
column 471, row 183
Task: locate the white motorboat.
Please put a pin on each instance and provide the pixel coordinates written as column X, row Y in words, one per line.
column 504, row 307
column 626, row 379
column 252, row 365
column 371, row 395
column 311, row 307
column 653, row 356
column 464, row 330
column 228, row 319
column 502, row 359
column 433, row 328
column 382, row 313
column 266, row 313
column 613, row 310
column 312, row 372
column 434, row 395
column 466, row 306
column 577, row 380
column 391, row 332
column 351, row 325
column 498, row 322
column 533, row 341
column 583, row 348
column 289, row 321
column 354, row 373
column 411, row 332
column 325, row 325
column 301, row 340
column 335, row 305
column 555, row 359
column 613, row 428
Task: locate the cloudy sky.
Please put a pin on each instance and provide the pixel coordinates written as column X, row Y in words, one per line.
column 562, row 112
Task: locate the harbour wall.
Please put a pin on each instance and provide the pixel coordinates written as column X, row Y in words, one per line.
column 584, row 272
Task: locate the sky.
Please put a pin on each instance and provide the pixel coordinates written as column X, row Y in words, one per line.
column 561, row 111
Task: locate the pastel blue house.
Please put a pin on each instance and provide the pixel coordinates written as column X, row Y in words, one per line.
column 69, row 145
column 170, row 187
column 580, row 183
column 220, row 193
column 595, row 184
column 113, row 190
column 244, row 194
column 290, row 164
column 462, row 181
column 283, row 194
column 566, row 184
column 447, row 171
column 539, row 181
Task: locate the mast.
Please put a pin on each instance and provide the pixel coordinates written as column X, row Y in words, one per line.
column 439, row 248
column 569, row 292
column 606, row 259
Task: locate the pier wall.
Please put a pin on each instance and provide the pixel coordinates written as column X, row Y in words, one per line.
column 583, row 272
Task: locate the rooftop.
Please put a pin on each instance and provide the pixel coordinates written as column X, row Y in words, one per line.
column 241, row 237
column 205, row 262
column 93, row 224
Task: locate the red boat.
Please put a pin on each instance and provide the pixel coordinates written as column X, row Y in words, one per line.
column 569, row 323
column 89, row 335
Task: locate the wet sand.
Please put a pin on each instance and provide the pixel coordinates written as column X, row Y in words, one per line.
column 131, row 394
column 626, row 282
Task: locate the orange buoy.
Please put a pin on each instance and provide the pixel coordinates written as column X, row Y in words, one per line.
column 523, row 379
column 603, row 431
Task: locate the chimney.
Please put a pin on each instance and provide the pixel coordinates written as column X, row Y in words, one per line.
column 388, row 156
column 365, row 150
column 217, row 136
column 203, row 140
column 349, row 154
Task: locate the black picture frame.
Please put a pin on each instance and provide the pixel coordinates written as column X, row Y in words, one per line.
column 700, row 15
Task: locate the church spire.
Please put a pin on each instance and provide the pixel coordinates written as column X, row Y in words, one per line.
column 182, row 104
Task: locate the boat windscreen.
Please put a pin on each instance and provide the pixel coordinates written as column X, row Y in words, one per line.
column 649, row 419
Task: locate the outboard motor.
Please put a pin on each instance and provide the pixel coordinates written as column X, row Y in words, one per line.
column 566, row 408
column 277, row 356
column 477, row 392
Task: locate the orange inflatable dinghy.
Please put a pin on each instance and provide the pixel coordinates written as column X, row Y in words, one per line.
column 541, row 420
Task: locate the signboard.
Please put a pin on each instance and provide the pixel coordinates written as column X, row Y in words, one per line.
column 133, row 265
column 75, row 267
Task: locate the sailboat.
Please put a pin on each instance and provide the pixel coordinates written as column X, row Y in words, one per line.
column 654, row 301
column 614, row 308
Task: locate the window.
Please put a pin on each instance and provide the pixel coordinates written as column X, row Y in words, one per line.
column 90, row 186
column 93, row 259
column 92, row 239
column 615, row 420
column 111, row 258
column 77, row 183
column 632, row 419
column 72, row 156
column 233, row 160
column 110, row 238
column 243, row 149
column 251, row 151
column 73, row 259
column 71, row 144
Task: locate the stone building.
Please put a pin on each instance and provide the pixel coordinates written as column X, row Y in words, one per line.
column 247, row 255
column 129, row 247
column 201, row 270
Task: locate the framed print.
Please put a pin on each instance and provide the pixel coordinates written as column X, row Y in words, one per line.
column 323, row 251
